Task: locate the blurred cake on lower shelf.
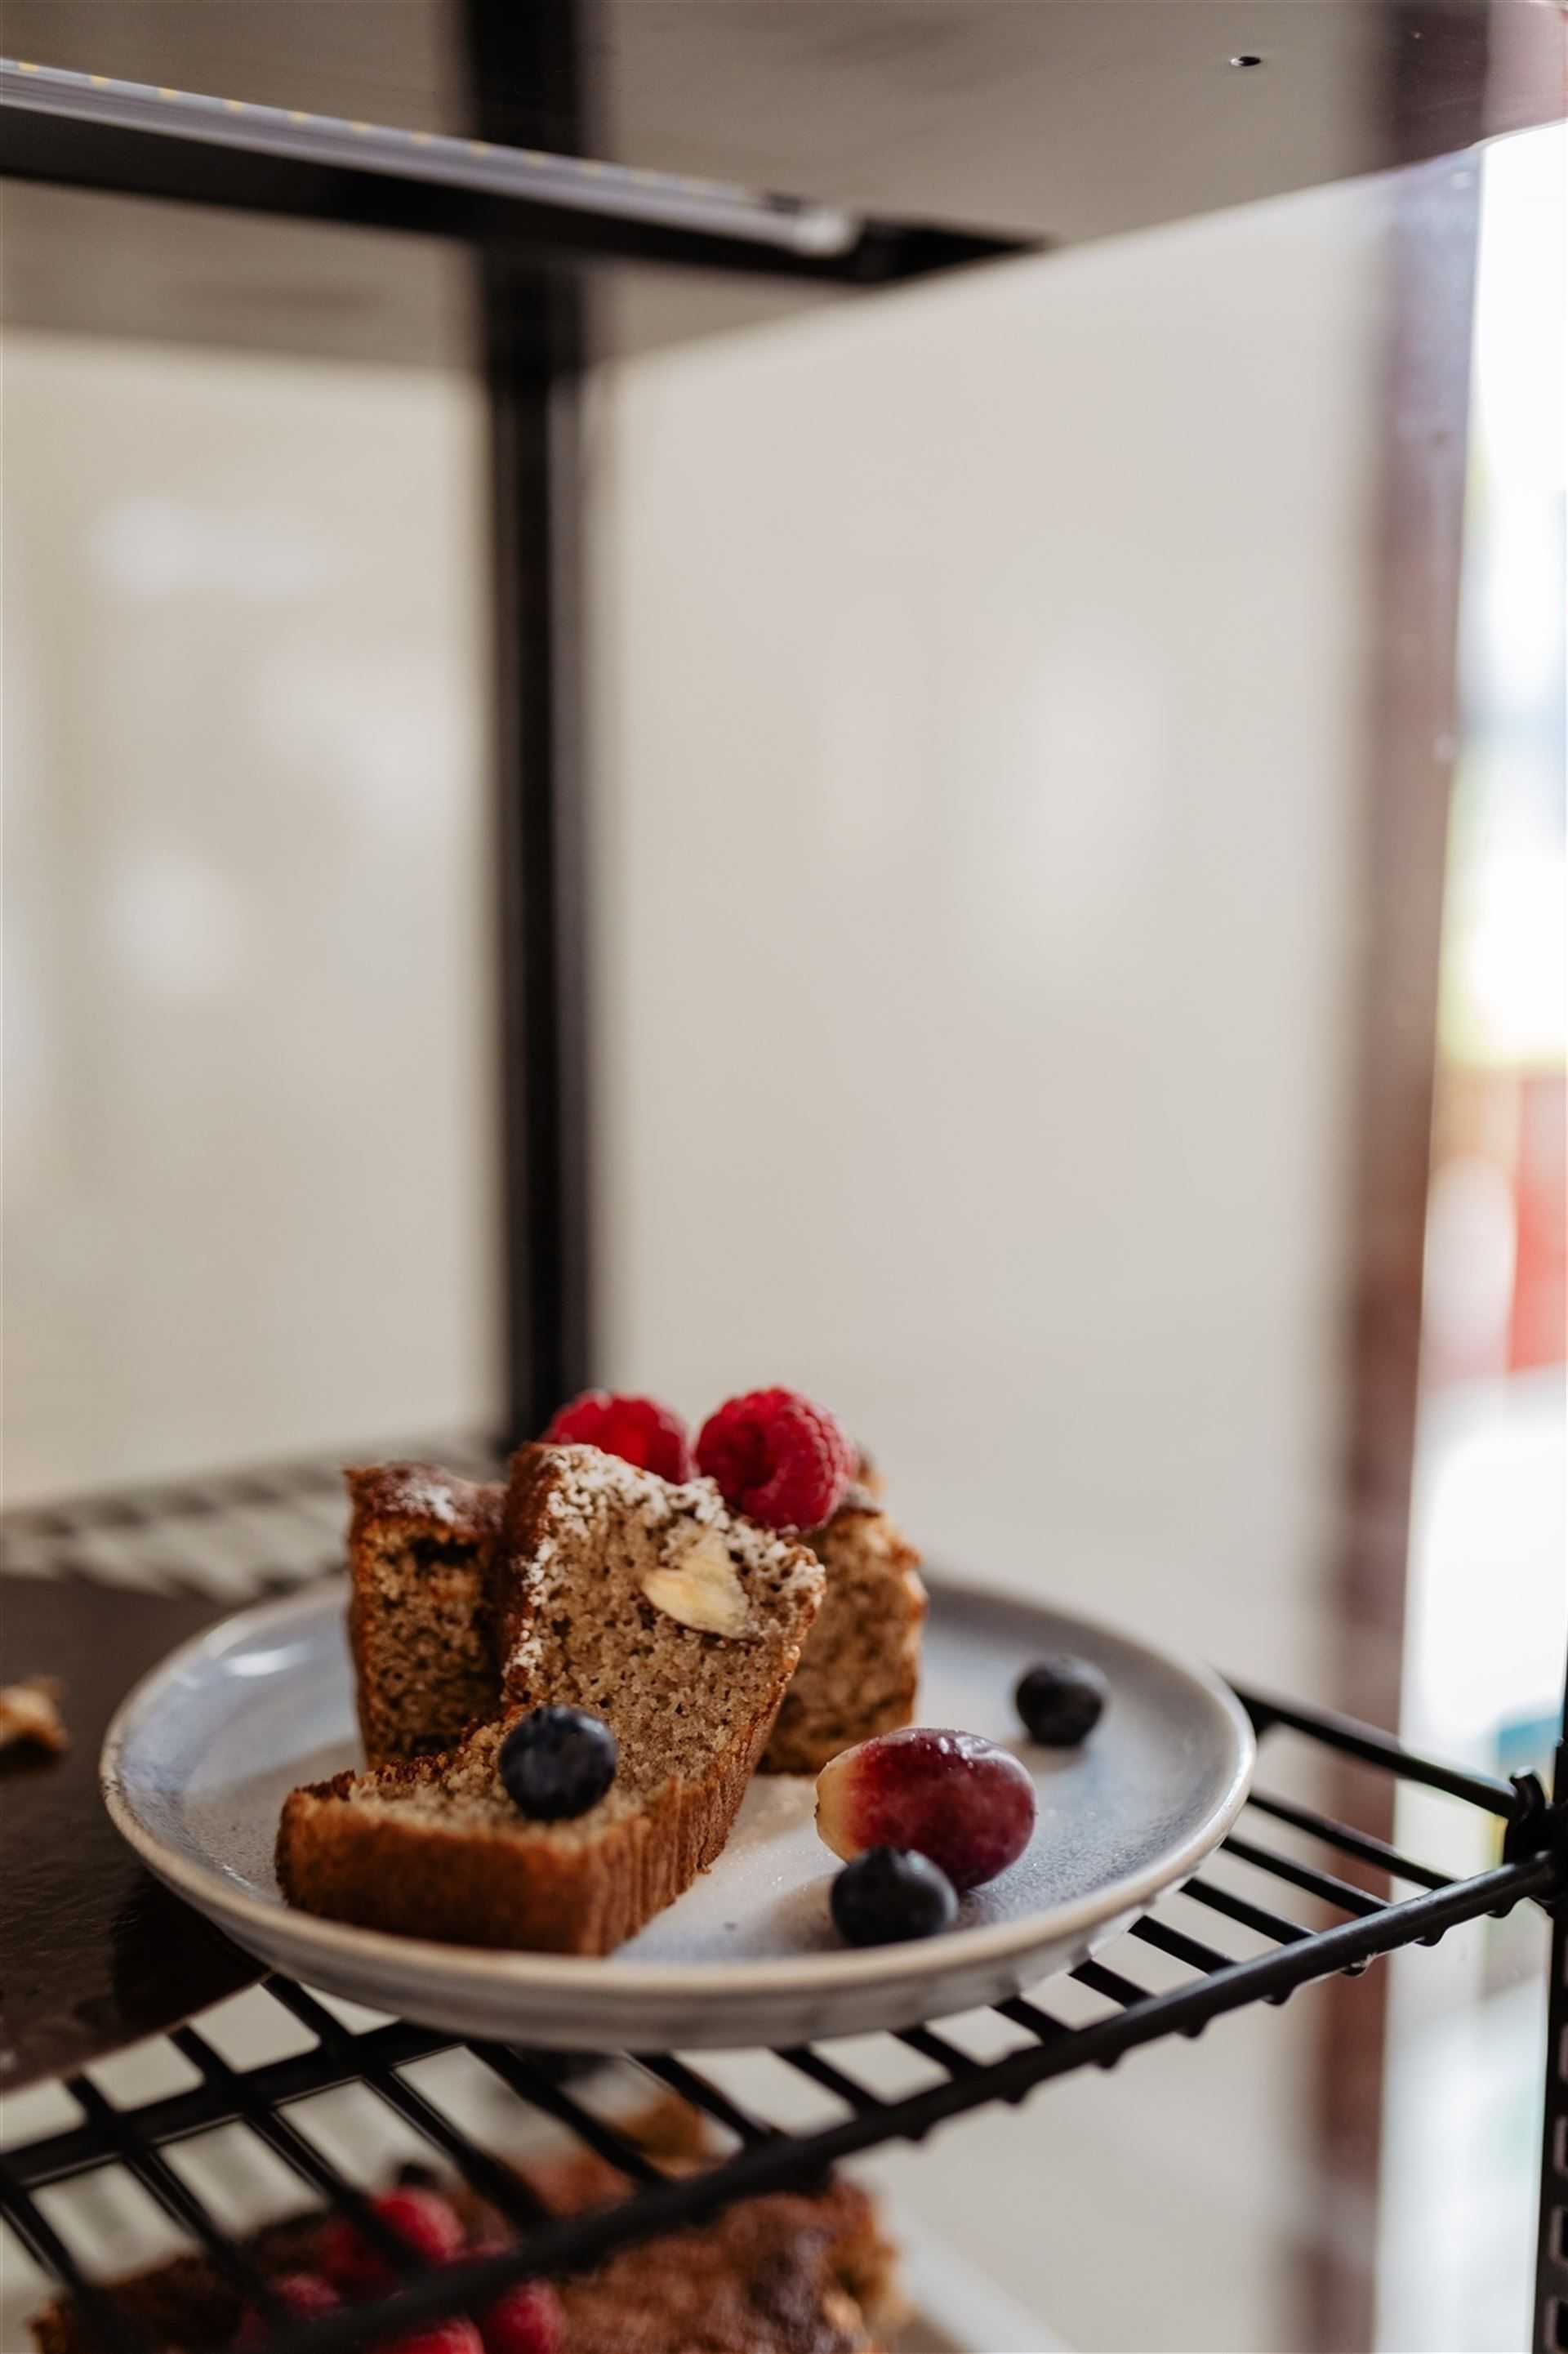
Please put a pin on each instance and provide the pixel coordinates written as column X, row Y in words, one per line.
column 789, row 2273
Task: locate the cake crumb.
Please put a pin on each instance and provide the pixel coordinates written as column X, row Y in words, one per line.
column 30, row 1714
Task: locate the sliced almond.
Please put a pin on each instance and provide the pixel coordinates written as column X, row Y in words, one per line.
column 701, row 1589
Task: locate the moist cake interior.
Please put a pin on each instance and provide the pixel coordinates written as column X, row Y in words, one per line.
column 430, row 1647
column 578, row 1629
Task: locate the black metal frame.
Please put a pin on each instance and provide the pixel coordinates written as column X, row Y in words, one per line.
column 535, row 353
column 88, row 131
column 1550, row 2319
column 522, row 212
column 1234, row 1935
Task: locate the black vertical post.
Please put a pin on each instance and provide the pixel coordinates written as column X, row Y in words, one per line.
column 526, row 92
column 1550, row 2335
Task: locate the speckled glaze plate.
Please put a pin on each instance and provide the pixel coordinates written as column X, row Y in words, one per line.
column 198, row 1763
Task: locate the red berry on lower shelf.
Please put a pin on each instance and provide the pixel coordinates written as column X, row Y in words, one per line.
column 305, row 2296
column 526, row 2319
column 454, row 2336
column 423, row 2220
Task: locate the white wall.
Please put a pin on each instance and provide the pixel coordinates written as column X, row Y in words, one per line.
column 978, row 741
column 979, row 735
column 249, row 1165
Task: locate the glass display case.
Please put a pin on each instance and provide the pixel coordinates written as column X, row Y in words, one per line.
column 690, row 681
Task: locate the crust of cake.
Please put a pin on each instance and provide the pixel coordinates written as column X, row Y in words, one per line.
column 525, row 1888
column 421, row 1546
column 427, row 1847
column 860, row 1665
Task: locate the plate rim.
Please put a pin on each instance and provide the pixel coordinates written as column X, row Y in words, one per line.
column 610, row 1977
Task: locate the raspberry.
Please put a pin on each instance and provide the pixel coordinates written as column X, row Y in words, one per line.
column 777, row 1458
column 303, row 2295
column 422, row 2219
column 524, row 2319
column 454, row 2336
column 637, row 1429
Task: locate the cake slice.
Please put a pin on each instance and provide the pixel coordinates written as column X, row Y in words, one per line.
column 421, row 1546
column 860, row 1663
column 653, row 1606
column 426, row 1644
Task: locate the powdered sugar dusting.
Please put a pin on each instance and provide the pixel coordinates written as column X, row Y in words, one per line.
column 422, row 1491
column 587, row 1482
column 433, row 1497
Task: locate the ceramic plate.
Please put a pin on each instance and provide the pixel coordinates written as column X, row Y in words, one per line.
column 198, row 1760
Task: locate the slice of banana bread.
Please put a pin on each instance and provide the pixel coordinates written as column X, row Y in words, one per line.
column 421, row 1546
column 860, row 1663
column 650, row 1604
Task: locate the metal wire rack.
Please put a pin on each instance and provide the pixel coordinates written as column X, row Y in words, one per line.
column 1234, row 1936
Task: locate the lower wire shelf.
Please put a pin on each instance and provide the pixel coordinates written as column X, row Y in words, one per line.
column 1230, row 1938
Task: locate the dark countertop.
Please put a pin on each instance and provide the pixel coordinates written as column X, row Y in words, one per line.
column 94, row 1953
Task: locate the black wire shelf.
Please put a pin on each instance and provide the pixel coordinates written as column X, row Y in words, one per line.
column 1232, row 1936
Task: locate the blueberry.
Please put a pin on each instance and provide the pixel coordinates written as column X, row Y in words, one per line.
column 557, row 1762
column 1061, row 1700
column 890, row 1894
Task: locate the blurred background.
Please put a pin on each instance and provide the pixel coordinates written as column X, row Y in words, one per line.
column 986, row 717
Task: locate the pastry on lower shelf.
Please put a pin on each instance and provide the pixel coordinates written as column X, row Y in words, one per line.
column 647, row 1604
column 861, row 1664
column 421, row 1546
column 182, row 2305
column 794, row 2273
column 788, row 2273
